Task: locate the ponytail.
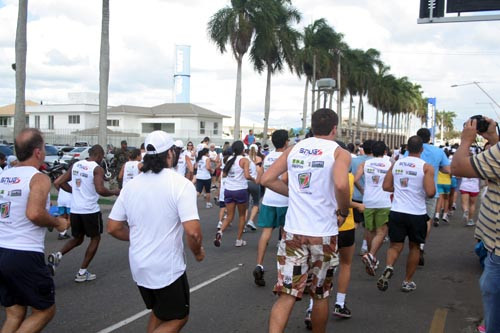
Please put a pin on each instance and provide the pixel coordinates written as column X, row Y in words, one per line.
column 237, row 149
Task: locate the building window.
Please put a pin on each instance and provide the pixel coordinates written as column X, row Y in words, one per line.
column 113, row 122
column 166, row 127
column 216, row 128
column 37, row 121
column 27, row 121
column 4, row 121
column 74, row 119
column 51, row 122
column 202, row 127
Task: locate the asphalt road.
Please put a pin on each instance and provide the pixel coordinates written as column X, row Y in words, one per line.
column 447, row 298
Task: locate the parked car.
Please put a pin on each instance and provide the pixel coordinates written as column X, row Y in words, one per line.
column 81, row 144
column 51, row 154
column 78, row 153
column 6, row 150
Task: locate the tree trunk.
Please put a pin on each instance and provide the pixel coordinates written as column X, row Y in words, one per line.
column 237, row 102
column 313, row 82
column 339, row 99
column 350, row 117
column 358, row 123
column 382, row 126
column 267, row 103
column 104, row 75
column 21, row 50
column 304, row 109
column 376, row 119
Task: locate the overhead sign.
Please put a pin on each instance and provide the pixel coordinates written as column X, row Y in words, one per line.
column 457, row 6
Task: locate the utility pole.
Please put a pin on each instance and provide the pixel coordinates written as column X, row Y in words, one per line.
column 313, row 101
column 339, row 86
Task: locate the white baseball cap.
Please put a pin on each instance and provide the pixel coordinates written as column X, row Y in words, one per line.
column 158, row 142
column 179, row 144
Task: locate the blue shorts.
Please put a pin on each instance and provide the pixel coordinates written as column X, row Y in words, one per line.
column 271, row 217
column 238, row 197
column 443, row 189
column 454, row 182
column 63, row 210
column 222, row 204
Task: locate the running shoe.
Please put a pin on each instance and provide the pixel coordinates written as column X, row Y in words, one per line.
column 63, row 236
column 240, row 243
column 436, row 221
column 342, row 312
column 370, row 262
column 251, row 225
column 54, row 259
column 408, row 286
column 209, row 205
column 219, row 225
column 470, row 223
column 218, row 239
column 454, row 206
column 465, row 217
column 307, row 319
column 445, row 219
column 363, row 251
column 87, row 276
column 383, row 280
column 421, row 260
column 258, row 274
column 375, row 267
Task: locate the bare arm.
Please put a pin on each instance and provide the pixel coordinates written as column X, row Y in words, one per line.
column 189, row 165
column 429, row 185
column 120, row 174
column 260, row 170
column 207, row 165
column 445, row 169
column 99, row 183
column 194, row 238
column 271, row 178
column 388, row 184
column 341, row 179
column 36, row 210
column 118, row 229
column 62, row 181
column 245, row 165
column 357, row 177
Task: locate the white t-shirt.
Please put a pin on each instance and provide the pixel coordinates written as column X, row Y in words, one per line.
column 469, row 185
column 409, row 192
column 202, row 172
column 222, row 188
column 272, row 198
column 311, row 201
column 64, row 198
column 131, row 170
column 375, row 171
column 17, row 232
column 181, row 164
column 155, row 205
column 84, row 198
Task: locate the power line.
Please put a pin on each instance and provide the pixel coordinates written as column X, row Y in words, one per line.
column 475, row 53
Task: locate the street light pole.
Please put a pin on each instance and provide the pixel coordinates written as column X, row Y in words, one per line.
column 480, row 88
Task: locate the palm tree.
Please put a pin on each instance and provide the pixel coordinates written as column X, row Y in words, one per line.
column 104, row 75
column 20, row 67
column 444, row 120
column 380, row 91
column 274, row 47
column 236, row 25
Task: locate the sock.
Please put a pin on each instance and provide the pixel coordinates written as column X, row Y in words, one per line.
column 310, row 304
column 340, row 299
column 262, row 267
column 445, row 216
column 365, row 244
column 422, row 247
column 437, row 215
column 82, row 271
column 59, row 255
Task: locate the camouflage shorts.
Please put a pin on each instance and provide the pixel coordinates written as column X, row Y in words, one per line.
column 300, row 256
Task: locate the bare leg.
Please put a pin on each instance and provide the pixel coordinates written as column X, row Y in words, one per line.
column 37, row 320
column 319, row 315
column 241, row 225
column 207, row 197
column 377, row 241
column 91, row 251
column 253, row 212
column 156, row 325
column 369, row 235
column 393, row 253
column 412, row 262
column 446, row 199
column 263, row 241
column 472, row 207
column 221, row 213
column 230, row 207
column 465, row 202
column 346, row 254
column 280, row 313
column 71, row 244
column 14, row 317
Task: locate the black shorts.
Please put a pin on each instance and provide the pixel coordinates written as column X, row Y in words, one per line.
column 170, row 302
column 358, row 216
column 25, row 279
column 346, row 238
column 254, row 193
column 89, row 225
column 402, row 225
column 203, row 184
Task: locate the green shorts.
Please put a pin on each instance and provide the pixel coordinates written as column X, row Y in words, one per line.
column 271, row 217
column 376, row 217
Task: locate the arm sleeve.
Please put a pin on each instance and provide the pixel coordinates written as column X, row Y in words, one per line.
column 186, row 204
column 487, row 164
column 118, row 212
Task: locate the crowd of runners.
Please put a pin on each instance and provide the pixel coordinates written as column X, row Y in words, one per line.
column 314, row 192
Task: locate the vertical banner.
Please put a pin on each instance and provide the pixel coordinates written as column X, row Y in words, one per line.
column 431, row 117
column 182, row 74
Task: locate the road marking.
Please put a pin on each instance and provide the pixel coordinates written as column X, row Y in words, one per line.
column 145, row 312
column 439, row 321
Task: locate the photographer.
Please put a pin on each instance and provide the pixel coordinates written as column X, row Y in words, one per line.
column 486, row 166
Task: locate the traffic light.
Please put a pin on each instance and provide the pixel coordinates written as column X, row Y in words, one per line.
column 456, row 6
column 437, row 11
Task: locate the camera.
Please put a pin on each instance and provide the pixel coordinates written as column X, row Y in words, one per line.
column 482, row 124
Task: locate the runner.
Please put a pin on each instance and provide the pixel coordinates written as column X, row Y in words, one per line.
column 87, row 183
column 152, row 212
column 184, row 165
column 412, row 181
column 444, row 190
column 64, row 209
column 237, row 172
column 25, row 280
column 222, row 210
column 469, row 191
column 204, row 175
column 131, row 168
column 377, row 203
column 318, row 190
column 253, row 186
column 273, row 208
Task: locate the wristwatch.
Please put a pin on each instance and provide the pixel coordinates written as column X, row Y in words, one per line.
column 339, row 213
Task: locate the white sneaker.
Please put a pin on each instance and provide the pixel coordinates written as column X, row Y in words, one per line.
column 251, row 225
column 209, row 205
column 470, row 223
column 219, row 225
column 87, row 276
column 240, row 242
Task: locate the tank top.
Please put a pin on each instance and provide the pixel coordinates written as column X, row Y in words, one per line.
column 17, row 232
column 181, row 164
column 272, row 198
column 202, row 172
column 85, row 197
column 409, row 193
column 235, row 179
column 252, row 168
column 311, row 199
column 375, row 171
column 130, row 170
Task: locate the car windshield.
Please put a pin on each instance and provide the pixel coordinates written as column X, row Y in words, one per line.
column 50, row 150
column 6, row 150
column 78, row 150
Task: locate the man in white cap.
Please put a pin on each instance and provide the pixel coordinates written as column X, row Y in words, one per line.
column 158, row 205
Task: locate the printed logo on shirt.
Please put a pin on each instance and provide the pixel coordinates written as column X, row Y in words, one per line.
column 404, row 182
column 408, row 164
column 317, row 164
column 398, row 172
column 307, row 152
column 411, row 173
column 370, row 170
column 378, row 164
column 15, row 193
column 5, row 209
column 376, row 179
column 78, row 182
column 2, row 192
column 304, row 180
column 297, row 164
column 10, row 180
column 75, row 172
column 83, row 167
column 84, row 175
